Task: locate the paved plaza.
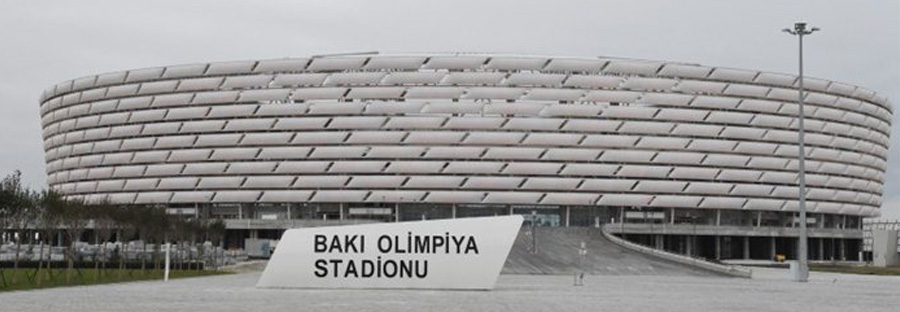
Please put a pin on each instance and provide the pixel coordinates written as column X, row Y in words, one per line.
column 768, row 291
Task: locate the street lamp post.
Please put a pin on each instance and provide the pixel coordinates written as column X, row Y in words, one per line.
column 802, row 272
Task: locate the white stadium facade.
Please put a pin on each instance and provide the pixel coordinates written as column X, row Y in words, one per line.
column 692, row 159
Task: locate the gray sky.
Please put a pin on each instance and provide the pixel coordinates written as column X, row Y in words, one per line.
column 45, row 42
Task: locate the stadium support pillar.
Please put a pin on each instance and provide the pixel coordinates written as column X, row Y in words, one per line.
column 843, row 246
column 397, row 212
column 568, row 212
column 821, row 254
column 341, row 211
column 689, row 243
column 453, row 211
column 718, row 247
column 672, row 216
column 746, row 247
column 718, row 218
column 772, row 248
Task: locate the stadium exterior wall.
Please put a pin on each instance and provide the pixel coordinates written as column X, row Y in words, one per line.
column 446, row 135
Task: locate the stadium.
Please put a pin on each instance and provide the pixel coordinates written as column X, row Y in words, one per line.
column 691, row 159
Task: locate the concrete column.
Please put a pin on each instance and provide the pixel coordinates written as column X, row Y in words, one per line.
column 689, row 243
column 397, row 212
column 453, row 211
column 758, row 218
column 747, row 247
column 773, row 249
column 622, row 215
column 821, row 249
column 568, row 212
column 672, row 216
column 718, row 218
column 254, row 233
column 510, row 210
column 843, row 247
column 288, row 208
column 341, row 210
column 718, row 247
column 832, row 251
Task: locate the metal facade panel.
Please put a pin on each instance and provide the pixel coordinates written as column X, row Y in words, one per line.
column 610, row 132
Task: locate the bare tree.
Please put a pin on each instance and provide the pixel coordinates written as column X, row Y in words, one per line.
column 74, row 219
column 6, row 216
column 159, row 225
column 46, row 221
column 127, row 221
column 145, row 228
column 19, row 204
column 101, row 215
column 53, row 206
column 216, row 230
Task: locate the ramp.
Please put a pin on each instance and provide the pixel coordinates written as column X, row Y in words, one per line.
column 557, row 253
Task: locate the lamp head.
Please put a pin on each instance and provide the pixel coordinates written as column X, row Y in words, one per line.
column 800, row 29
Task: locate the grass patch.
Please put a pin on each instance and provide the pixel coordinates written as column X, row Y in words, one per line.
column 27, row 278
column 866, row 270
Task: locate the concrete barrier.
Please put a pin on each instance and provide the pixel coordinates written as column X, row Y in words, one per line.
column 730, row 270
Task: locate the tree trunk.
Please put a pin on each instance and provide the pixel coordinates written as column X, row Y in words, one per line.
column 96, row 256
column 97, row 263
column 156, row 256
column 144, row 259
column 121, row 261
column 181, row 256
column 50, row 256
column 37, row 273
column 190, row 253
column 104, row 260
column 18, row 238
column 71, row 262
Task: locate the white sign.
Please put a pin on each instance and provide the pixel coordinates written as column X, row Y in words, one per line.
column 441, row 254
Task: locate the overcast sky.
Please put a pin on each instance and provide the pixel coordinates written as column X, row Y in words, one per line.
column 45, row 42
